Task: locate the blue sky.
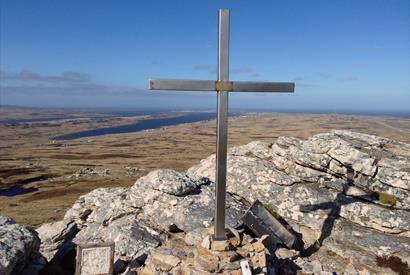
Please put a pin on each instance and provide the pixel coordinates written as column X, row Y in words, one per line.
column 342, row 55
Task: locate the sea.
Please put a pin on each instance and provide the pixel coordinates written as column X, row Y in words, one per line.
column 174, row 117
column 189, row 116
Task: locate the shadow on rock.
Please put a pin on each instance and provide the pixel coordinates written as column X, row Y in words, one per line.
column 63, row 262
column 334, row 207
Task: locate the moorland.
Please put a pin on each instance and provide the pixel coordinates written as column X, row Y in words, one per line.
column 41, row 176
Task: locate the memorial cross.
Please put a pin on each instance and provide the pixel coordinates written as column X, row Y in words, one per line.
column 222, row 86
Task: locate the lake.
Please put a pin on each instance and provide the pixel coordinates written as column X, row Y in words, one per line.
column 153, row 123
column 17, row 190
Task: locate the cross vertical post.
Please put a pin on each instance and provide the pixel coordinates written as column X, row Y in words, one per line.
column 222, row 125
column 223, row 87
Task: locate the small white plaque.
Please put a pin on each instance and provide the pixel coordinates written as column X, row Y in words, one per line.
column 95, row 259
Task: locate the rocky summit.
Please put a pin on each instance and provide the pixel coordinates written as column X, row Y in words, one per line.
column 344, row 195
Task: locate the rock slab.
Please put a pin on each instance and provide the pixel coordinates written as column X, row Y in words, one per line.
column 19, row 246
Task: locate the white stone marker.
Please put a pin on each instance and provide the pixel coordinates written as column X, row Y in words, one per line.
column 245, row 268
column 93, row 259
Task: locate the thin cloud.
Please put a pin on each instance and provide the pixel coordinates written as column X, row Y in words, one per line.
column 25, row 76
column 299, row 78
column 80, row 90
column 65, row 84
column 325, row 75
column 300, row 81
column 349, row 78
column 368, row 49
column 211, row 69
column 243, row 70
column 301, row 84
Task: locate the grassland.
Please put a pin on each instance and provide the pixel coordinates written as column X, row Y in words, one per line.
column 28, row 153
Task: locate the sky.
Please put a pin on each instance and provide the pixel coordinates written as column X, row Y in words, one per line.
column 342, row 55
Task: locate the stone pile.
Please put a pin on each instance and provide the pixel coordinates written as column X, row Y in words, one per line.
column 132, row 171
column 89, row 171
column 208, row 256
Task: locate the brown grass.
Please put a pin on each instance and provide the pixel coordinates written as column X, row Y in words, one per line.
column 177, row 147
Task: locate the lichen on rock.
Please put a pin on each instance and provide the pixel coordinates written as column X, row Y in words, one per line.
column 345, row 193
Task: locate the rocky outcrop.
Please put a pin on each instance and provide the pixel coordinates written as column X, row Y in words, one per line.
column 331, row 188
column 139, row 218
column 338, row 171
column 19, row 247
column 89, row 171
column 345, row 193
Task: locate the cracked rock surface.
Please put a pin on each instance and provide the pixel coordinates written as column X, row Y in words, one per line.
column 19, row 247
column 138, row 218
column 346, row 193
column 330, row 188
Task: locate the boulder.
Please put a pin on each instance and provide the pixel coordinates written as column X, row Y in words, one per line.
column 19, row 246
column 55, row 235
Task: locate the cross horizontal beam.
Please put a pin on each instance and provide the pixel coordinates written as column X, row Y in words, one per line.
column 212, row 85
column 222, row 86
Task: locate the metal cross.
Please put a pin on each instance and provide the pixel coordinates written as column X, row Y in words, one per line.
column 222, row 86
